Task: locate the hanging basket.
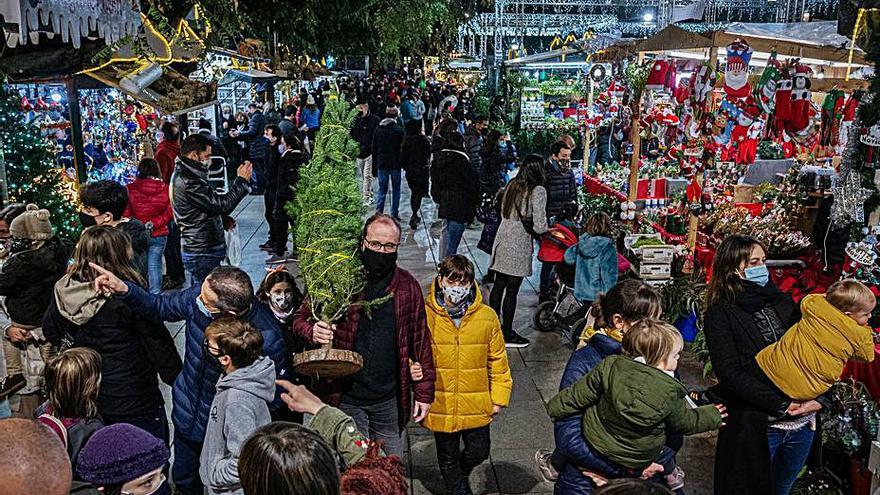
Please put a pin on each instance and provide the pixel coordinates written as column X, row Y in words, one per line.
column 328, row 362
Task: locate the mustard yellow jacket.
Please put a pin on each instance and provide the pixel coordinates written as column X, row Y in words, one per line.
column 810, row 356
column 472, row 370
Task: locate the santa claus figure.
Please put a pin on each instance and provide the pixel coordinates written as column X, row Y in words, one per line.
column 801, row 101
column 736, row 76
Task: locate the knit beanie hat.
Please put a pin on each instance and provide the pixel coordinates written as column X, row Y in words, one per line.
column 120, row 453
column 33, row 224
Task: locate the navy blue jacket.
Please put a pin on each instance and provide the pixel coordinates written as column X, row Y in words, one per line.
column 254, row 135
column 568, row 434
column 194, row 388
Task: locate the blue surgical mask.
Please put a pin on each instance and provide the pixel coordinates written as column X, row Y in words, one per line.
column 757, row 274
column 502, row 145
column 203, row 308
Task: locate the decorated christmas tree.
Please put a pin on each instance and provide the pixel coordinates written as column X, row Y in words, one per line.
column 32, row 175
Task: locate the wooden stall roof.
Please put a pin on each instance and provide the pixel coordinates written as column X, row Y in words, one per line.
column 676, row 38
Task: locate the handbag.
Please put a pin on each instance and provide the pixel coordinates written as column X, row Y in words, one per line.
column 528, row 222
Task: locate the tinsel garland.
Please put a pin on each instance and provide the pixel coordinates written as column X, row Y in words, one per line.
column 849, row 195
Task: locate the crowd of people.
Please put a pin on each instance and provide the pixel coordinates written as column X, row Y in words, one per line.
column 86, row 343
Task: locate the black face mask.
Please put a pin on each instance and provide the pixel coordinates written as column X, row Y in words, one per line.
column 211, row 359
column 87, row 220
column 17, row 245
column 378, row 265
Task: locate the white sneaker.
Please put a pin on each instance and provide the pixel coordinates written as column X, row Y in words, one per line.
column 542, row 459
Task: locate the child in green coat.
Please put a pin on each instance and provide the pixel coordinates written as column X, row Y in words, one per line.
column 630, row 402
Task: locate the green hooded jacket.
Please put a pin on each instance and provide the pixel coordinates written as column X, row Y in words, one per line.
column 630, row 407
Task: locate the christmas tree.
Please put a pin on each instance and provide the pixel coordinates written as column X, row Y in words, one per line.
column 32, row 175
column 328, row 215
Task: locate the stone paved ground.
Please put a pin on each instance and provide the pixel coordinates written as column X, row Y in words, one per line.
column 523, row 427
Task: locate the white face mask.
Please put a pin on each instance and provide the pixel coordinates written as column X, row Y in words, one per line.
column 281, row 148
column 455, row 294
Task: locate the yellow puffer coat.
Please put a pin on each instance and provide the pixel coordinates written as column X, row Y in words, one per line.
column 472, row 370
column 811, row 355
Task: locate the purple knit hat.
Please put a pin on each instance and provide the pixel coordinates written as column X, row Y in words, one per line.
column 120, row 453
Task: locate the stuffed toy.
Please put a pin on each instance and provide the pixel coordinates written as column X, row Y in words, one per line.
column 701, row 84
column 749, row 112
column 736, row 76
column 801, row 100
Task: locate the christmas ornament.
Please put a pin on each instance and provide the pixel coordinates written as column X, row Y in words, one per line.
column 832, row 114
column 736, row 75
column 782, row 112
column 849, row 195
column 701, row 84
column 749, row 112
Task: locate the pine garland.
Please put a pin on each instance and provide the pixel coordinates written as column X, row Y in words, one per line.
column 32, row 175
column 327, row 215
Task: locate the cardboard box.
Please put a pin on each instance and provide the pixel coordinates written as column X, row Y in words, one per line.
column 660, row 271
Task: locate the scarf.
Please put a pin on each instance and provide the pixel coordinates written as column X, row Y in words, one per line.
column 754, row 298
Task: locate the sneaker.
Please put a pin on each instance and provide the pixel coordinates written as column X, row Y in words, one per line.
column 675, row 479
column 279, row 258
column 516, row 340
column 548, row 472
column 11, row 384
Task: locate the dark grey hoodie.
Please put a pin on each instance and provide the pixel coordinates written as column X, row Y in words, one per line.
column 240, row 406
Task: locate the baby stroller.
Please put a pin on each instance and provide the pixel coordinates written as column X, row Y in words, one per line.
column 557, row 313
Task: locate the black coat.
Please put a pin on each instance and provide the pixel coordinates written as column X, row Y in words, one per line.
column 455, row 186
column 495, row 171
column 289, row 167
column 386, row 145
column 133, row 349
column 742, row 459
column 27, row 279
column 416, row 160
column 271, row 171
column 561, row 188
column 362, row 132
column 199, row 210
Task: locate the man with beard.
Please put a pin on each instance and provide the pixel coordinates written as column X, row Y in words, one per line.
column 388, row 335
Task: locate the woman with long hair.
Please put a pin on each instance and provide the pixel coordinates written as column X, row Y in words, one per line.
column 767, row 438
column 523, row 216
column 148, row 202
column 415, row 154
column 133, row 349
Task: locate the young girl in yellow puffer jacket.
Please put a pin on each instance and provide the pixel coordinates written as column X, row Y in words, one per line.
column 811, row 355
column 473, row 377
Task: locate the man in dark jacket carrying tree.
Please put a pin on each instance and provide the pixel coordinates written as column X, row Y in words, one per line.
column 387, row 141
column 199, row 210
column 362, row 131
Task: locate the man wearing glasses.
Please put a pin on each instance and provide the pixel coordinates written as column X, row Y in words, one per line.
column 390, row 335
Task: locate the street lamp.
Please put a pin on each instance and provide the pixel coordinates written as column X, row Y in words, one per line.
column 647, row 17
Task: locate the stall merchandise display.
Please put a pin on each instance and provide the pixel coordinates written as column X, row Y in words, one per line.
column 32, row 174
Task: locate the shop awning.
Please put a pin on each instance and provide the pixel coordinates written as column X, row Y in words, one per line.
column 251, row 76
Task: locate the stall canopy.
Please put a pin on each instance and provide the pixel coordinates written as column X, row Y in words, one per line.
column 250, row 76
column 600, row 47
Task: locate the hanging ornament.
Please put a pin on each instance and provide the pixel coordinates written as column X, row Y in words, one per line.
column 736, row 76
column 849, row 195
column 765, row 89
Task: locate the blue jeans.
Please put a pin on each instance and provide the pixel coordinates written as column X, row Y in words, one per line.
column 384, row 175
column 154, row 263
column 5, row 411
column 377, row 422
column 185, row 471
column 788, row 453
column 199, row 265
column 451, row 237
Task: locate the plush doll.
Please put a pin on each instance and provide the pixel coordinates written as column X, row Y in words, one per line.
column 765, row 89
column 801, row 100
column 749, row 112
column 736, row 76
column 659, row 74
column 724, row 122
